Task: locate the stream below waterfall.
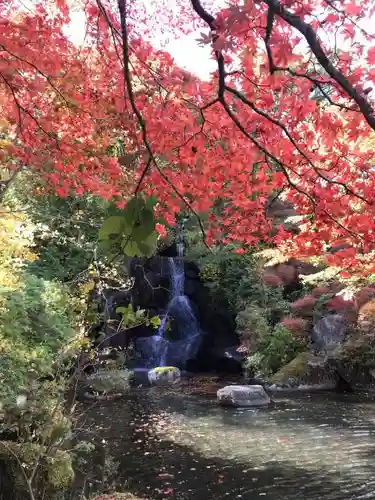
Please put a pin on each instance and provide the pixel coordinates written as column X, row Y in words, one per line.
column 183, row 446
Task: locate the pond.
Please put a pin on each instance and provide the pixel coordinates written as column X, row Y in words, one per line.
column 183, row 446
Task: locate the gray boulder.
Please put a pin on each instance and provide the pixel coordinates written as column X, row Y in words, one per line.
column 104, row 384
column 243, row 395
column 329, row 332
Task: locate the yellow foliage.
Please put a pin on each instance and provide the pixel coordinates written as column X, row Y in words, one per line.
column 368, row 144
column 4, row 144
column 60, row 470
column 86, row 288
column 15, row 240
column 4, row 125
column 272, row 256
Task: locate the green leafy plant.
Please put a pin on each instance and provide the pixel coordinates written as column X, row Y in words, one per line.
column 131, row 318
column 276, row 348
column 133, row 232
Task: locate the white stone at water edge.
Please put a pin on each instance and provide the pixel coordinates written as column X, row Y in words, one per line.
column 243, row 395
column 164, row 375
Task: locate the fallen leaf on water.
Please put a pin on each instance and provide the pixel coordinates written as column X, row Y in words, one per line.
column 165, row 475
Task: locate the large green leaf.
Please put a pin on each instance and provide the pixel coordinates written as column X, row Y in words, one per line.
column 148, row 245
column 112, row 227
column 128, row 315
column 131, row 248
column 151, row 202
column 145, row 225
column 132, row 210
column 106, row 245
column 133, row 232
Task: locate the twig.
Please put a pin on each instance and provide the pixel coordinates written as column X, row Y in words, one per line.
column 312, row 39
column 27, row 480
column 279, row 124
column 210, row 20
column 343, row 13
column 27, row 112
column 5, row 187
column 319, row 84
column 221, row 98
column 270, row 20
column 141, row 122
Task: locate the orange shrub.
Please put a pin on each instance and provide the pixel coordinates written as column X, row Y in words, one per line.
column 366, row 316
column 286, row 273
column 320, row 290
column 272, row 279
column 304, row 307
column 298, row 326
column 364, row 295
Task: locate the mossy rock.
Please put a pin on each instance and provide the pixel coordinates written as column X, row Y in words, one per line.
column 355, row 360
column 164, row 375
column 305, row 369
column 359, row 348
column 159, row 370
column 105, row 385
column 110, row 381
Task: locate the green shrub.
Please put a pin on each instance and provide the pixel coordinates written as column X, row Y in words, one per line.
column 275, row 349
column 65, row 229
column 252, row 324
column 36, row 315
column 36, row 320
column 237, row 278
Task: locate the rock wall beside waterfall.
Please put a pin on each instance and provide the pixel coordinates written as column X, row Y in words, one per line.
column 219, row 340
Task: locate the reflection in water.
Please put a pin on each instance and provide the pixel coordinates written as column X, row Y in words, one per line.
column 184, row 447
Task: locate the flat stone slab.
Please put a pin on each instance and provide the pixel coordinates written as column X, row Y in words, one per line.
column 243, row 395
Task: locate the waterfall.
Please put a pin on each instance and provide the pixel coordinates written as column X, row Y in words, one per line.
column 159, row 349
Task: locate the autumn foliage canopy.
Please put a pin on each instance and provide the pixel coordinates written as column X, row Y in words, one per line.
column 287, row 113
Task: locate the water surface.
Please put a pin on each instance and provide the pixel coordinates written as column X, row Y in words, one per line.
column 181, row 447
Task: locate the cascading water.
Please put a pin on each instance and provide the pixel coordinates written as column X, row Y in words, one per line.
column 158, row 349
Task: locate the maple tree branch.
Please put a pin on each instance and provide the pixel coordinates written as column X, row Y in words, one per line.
column 279, row 124
column 270, row 20
column 40, row 72
column 314, row 203
column 312, row 39
column 286, row 174
column 152, row 160
column 49, row 81
column 221, row 98
column 273, row 200
column 319, row 84
column 203, row 119
column 264, row 151
column 344, row 14
column 26, row 111
column 143, row 175
column 5, row 185
column 210, row 21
